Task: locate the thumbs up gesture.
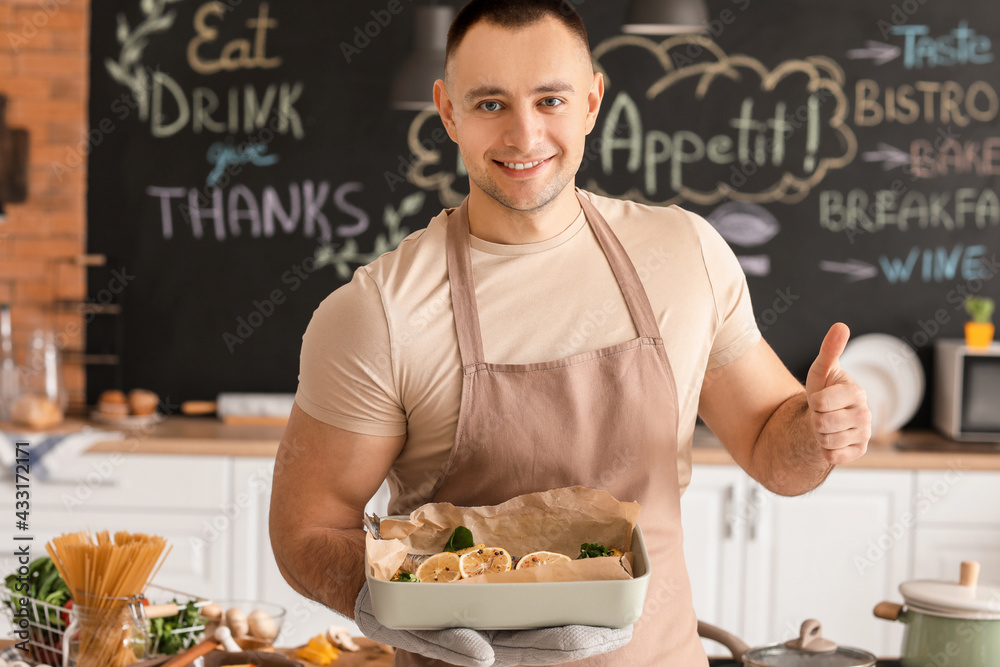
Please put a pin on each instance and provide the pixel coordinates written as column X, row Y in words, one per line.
column 838, row 408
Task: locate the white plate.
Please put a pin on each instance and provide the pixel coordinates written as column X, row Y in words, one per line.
column 131, row 420
column 889, row 371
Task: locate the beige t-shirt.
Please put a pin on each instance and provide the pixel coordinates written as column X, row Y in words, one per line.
column 380, row 356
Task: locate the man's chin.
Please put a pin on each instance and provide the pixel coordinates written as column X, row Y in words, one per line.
column 523, row 202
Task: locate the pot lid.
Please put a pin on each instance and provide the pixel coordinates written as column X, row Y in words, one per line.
column 966, row 598
column 809, row 650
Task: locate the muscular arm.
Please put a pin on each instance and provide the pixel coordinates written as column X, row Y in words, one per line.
column 786, row 436
column 323, row 478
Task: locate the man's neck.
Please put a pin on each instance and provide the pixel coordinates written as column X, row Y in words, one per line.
column 491, row 221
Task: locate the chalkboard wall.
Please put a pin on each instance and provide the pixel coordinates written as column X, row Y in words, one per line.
column 245, row 160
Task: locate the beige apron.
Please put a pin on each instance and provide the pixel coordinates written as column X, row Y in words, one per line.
column 605, row 419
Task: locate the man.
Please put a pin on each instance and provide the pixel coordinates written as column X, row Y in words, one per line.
column 539, row 337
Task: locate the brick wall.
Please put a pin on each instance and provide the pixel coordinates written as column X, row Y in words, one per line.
column 44, row 74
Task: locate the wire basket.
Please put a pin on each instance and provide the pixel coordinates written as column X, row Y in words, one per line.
column 47, row 623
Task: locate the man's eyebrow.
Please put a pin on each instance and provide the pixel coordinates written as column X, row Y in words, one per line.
column 495, row 91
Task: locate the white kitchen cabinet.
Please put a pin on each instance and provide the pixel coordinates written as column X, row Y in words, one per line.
column 255, row 574
column 831, row 554
column 163, row 495
column 958, row 519
column 939, row 552
column 715, row 546
column 781, row 560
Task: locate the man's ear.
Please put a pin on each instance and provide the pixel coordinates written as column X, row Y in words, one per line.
column 445, row 109
column 594, row 100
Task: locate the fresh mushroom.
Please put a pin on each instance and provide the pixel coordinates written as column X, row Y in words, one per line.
column 212, row 611
column 225, row 635
column 262, row 625
column 341, row 638
column 236, row 620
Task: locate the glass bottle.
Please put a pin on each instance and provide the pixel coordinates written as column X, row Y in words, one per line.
column 9, row 385
column 42, row 369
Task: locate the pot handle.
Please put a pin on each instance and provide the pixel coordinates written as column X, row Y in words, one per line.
column 735, row 645
column 890, row 611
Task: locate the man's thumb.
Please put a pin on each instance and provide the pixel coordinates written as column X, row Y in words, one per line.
column 828, row 361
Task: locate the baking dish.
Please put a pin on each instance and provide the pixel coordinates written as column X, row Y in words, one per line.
column 513, row 606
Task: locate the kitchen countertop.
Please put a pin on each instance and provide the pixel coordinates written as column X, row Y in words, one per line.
column 196, row 436
column 372, row 658
column 210, row 437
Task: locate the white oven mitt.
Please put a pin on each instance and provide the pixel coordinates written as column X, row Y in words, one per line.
column 496, row 648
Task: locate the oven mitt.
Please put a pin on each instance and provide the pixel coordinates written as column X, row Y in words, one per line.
column 552, row 646
column 456, row 646
column 496, row 648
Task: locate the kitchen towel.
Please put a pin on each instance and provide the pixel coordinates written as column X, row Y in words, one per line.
column 50, row 454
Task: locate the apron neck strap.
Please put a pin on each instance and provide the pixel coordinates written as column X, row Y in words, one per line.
column 463, row 287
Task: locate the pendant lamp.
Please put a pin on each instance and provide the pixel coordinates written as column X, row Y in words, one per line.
column 413, row 85
column 666, row 17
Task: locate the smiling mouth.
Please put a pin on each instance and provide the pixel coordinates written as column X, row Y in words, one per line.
column 521, row 166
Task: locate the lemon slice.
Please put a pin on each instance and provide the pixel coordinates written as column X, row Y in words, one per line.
column 536, row 558
column 442, row 567
column 477, row 547
column 486, row 559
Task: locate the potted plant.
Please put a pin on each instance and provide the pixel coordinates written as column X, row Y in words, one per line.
column 979, row 331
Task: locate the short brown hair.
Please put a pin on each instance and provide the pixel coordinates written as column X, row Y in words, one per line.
column 513, row 14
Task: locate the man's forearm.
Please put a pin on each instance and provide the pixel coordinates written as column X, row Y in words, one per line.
column 326, row 565
column 786, row 459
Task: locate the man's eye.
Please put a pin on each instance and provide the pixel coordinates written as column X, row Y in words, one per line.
column 552, row 101
column 490, row 106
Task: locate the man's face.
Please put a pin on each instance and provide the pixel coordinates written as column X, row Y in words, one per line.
column 520, row 98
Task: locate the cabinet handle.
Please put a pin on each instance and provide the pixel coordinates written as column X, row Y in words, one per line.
column 753, row 511
column 727, row 512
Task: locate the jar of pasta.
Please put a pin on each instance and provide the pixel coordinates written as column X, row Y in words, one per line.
column 111, row 633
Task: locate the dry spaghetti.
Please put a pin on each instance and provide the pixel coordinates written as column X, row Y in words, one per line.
column 104, row 573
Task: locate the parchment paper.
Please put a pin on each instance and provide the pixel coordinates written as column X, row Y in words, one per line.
column 559, row 520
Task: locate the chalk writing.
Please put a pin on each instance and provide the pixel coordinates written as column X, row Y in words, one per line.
column 935, row 265
column 236, row 54
column 955, row 157
column 961, row 46
column 227, row 213
column 912, row 209
column 776, row 143
column 222, row 155
column 933, row 101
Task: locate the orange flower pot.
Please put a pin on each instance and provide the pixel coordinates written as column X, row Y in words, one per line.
column 978, row 334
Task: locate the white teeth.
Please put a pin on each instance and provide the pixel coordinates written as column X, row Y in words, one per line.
column 519, row 166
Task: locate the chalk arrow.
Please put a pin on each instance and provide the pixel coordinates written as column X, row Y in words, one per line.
column 889, row 156
column 854, row 269
column 755, row 265
column 880, row 52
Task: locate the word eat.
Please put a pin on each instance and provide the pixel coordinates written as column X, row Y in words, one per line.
column 236, row 54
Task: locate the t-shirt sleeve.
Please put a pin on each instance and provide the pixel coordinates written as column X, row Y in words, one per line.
column 345, row 367
column 737, row 330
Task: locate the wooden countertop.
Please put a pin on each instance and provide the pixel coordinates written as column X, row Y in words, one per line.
column 194, row 436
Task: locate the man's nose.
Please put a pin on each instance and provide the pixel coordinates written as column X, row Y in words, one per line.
column 524, row 130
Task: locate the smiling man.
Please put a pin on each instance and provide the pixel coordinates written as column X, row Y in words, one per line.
column 537, row 337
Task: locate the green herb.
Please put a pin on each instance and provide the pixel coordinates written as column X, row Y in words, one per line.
column 460, row 539
column 979, row 308
column 171, row 635
column 44, row 584
column 594, row 550
column 405, row 577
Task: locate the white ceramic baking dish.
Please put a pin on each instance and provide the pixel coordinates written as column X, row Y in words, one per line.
column 514, row 606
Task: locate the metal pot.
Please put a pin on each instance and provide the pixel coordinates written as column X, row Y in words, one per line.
column 948, row 623
column 810, row 649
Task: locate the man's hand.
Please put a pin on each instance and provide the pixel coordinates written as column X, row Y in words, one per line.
column 838, row 407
